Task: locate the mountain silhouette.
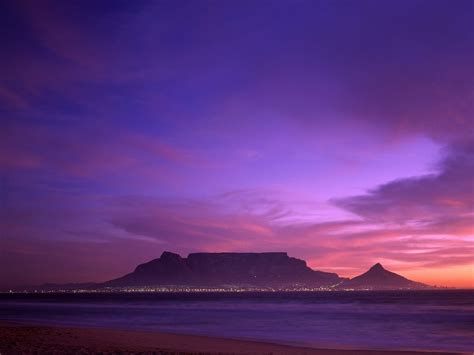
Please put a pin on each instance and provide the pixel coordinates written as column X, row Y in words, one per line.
column 275, row 269
column 272, row 269
column 378, row 278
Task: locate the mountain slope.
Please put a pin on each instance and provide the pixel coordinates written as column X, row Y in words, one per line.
column 378, row 278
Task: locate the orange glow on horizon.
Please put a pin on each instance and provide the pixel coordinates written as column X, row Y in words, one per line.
column 460, row 276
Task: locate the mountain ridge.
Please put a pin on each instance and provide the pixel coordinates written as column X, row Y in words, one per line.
column 243, row 269
column 274, row 270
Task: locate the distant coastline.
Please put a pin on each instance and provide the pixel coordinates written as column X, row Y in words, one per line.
column 172, row 290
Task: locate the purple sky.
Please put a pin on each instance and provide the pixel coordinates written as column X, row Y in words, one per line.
column 339, row 131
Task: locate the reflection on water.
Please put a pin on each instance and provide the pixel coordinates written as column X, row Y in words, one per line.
column 429, row 320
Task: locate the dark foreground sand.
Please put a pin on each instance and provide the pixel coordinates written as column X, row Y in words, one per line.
column 32, row 339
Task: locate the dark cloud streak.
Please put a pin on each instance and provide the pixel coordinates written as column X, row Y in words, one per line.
column 450, row 192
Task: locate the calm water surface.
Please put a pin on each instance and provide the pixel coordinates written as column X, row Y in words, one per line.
column 427, row 320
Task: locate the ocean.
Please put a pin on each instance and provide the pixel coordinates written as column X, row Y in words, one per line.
column 441, row 320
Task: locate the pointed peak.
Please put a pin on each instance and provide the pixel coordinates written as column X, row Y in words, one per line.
column 377, row 266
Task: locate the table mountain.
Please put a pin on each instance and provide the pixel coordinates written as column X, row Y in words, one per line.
column 217, row 269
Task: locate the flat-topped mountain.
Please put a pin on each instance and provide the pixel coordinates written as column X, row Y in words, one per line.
column 217, row 269
column 378, row 278
column 276, row 270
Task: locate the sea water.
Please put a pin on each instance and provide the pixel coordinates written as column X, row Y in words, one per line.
column 441, row 320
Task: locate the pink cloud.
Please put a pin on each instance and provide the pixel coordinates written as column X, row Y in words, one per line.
column 10, row 98
column 85, row 154
column 140, row 228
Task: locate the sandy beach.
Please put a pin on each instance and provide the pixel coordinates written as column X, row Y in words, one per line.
column 16, row 338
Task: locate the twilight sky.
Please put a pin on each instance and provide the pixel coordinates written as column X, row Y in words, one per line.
column 340, row 131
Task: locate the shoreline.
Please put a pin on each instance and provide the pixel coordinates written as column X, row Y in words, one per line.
column 23, row 337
